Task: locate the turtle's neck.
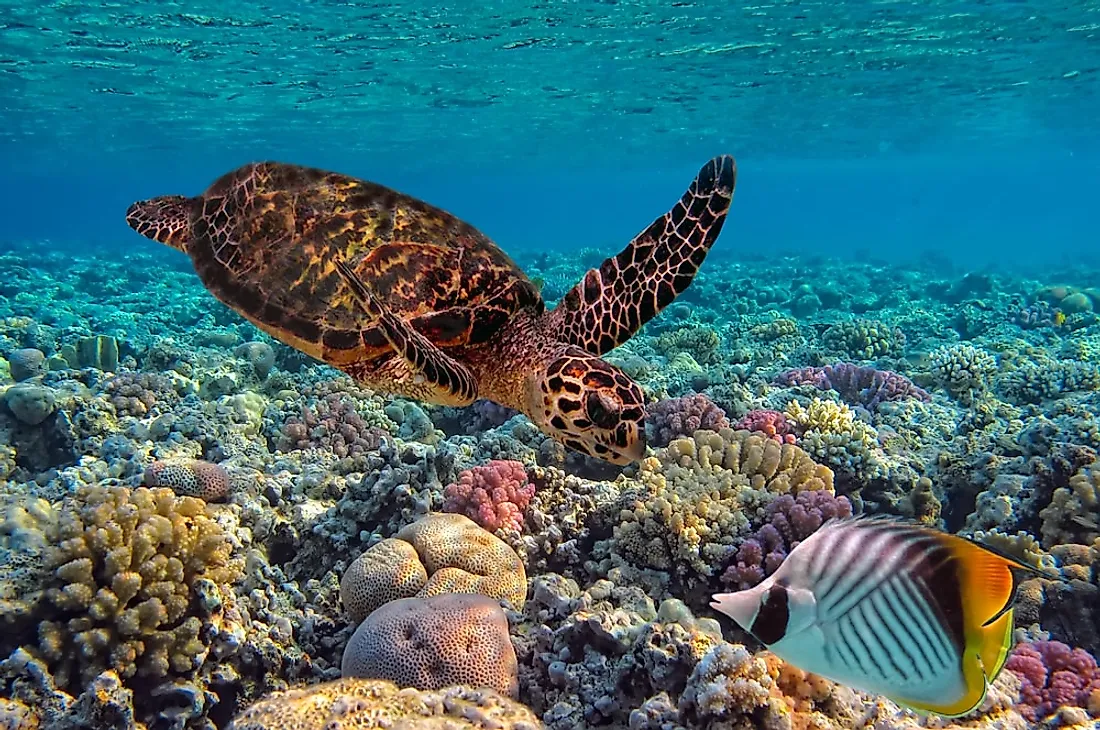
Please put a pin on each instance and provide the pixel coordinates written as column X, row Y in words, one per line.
column 504, row 366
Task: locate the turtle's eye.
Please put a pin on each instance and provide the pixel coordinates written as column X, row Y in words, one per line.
column 602, row 410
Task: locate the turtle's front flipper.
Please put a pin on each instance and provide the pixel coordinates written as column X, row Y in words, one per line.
column 612, row 302
column 435, row 377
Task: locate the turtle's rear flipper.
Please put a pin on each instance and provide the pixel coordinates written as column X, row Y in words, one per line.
column 612, row 302
column 434, row 376
column 166, row 219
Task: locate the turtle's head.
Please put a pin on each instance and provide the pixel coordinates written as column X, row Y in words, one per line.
column 589, row 405
column 166, row 219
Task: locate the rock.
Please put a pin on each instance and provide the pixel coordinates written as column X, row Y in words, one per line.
column 27, row 363
column 31, row 403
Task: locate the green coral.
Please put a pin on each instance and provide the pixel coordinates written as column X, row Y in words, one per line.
column 963, row 370
column 700, row 341
column 864, row 338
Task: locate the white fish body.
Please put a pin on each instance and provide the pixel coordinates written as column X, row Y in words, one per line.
column 916, row 615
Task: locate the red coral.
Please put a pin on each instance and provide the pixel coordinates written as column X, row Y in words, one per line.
column 772, row 424
column 1052, row 675
column 495, row 495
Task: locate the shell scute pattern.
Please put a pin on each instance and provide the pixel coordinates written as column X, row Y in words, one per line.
column 266, row 238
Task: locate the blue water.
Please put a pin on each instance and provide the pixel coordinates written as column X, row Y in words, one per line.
column 961, row 129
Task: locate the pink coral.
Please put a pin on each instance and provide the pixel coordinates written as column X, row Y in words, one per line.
column 772, row 424
column 494, row 496
column 676, row 417
column 1052, row 675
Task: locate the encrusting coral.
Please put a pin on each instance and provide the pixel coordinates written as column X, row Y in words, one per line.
column 434, row 642
column 358, row 704
column 136, row 576
column 439, row 553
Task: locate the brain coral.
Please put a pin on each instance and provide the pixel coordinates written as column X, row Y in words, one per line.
column 700, row 494
column 435, row 642
column 439, row 553
column 137, row 579
column 359, row 704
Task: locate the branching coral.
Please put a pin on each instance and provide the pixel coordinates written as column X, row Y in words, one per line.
column 834, row 436
column 790, row 520
column 675, row 417
column 859, row 385
column 139, row 576
column 1073, row 515
column 772, row 424
column 963, row 370
column 865, row 339
column 696, row 498
column 1053, row 675
column 494, row 496
column 335, row 423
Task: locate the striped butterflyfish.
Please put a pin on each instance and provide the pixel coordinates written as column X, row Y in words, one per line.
column 919, row 616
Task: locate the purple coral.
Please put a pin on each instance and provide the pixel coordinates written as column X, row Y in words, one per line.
column 773, row 424
column 683, row 416
column 790, row 520
column 332, row 424
column 858, row 384
column 495, row 495
column 1053, row 675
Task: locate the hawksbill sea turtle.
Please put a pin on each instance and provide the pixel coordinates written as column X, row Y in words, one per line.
column 408, row 299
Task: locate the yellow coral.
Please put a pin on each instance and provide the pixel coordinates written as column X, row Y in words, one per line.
column 120, row 595
column 697, row 495
column 439, row 553
column 833, row 435
column 349, row 704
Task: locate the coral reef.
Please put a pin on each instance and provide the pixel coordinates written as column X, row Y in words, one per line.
column 136, row 583
column 440, row 553
column 435, row 642
column 495, row 495
column 350, row 703
column 772, row 424
column 1053, row 675
column 677, row 417
column 859, row 385
column 195, row 518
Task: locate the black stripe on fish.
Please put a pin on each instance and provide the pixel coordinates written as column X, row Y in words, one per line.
column 770, row 624
column 933, row 628
column 872, row 634
column 908, row 621
column 940, row 578
column 831, row 579
column 859, row 648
